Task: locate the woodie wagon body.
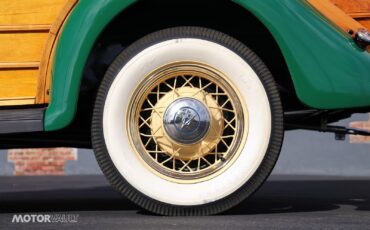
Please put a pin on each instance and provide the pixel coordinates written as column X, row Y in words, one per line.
column 185, row 103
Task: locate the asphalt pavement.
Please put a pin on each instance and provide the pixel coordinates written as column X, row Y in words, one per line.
column 284, row 202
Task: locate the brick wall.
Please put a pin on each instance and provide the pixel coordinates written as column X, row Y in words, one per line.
column 48, row 161
column 365, row 125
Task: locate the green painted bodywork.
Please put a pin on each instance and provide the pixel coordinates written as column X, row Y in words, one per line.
column 328, row 70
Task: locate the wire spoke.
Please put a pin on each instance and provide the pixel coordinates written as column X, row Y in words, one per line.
column 154, row 109
column 209, row 163
column 169, row 86
column 223, row 105
column 155, row 151
column 167, row 160
column 186, row 165
column 202, row 88
column 228, row 124
column 175, row 82
column 147, row 135
column 145, row 121
column 147, row 143
column 223, row 109
column 158, row 92
column 216, row 153
column 153, row 133
column 151, row 109
column 187, row 81
column 223, row 141
column 217, row 93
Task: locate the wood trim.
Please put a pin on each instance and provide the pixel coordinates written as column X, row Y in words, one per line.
column 336, row 15
column 17, row 101
column 44, row 79
column 20, row 28
column 360, row 15
column 353, row 6
column 19, row 65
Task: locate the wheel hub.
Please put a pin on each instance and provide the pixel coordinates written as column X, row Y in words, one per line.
column 186, row 121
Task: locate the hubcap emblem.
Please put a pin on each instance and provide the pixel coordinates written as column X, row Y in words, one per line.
column 186, row 120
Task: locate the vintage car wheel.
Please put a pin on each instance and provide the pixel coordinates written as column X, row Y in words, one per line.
column 187, row 121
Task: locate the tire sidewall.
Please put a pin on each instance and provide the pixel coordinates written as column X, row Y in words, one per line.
column 118, row 160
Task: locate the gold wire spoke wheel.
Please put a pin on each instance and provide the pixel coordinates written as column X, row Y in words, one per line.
column 186, row 122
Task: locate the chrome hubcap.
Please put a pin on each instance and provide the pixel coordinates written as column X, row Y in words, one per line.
column 186, row 121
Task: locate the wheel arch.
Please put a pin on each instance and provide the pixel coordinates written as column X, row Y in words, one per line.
column 90, row 22
column 80, row 36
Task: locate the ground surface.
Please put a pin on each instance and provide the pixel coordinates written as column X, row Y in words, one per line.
column 294, row 202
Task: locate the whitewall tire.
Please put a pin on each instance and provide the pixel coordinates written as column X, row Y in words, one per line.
column 257, row 122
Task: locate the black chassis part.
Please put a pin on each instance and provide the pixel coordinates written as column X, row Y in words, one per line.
column 319, row 120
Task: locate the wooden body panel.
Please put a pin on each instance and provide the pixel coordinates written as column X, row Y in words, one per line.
column 29, row 12
column 357, row 9
column 365, row 22
column 18, row 83
column 28, row 30
column 21, row 46
column 353, row 6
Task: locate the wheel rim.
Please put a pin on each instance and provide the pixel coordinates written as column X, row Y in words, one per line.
column 187, row 122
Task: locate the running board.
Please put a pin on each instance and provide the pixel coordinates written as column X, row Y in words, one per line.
column 21, row 120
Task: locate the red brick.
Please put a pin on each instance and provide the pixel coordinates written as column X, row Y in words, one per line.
column 365, row 125
column 49, row 161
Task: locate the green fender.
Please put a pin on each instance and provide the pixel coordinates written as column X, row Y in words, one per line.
column 328, row 70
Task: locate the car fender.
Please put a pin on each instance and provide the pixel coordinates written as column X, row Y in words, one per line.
column 328, row 70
